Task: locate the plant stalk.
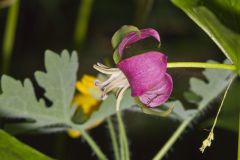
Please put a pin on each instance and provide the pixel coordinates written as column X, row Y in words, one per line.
column 81, row 26
column 123, row 139
column 201, row 65
column 9, row 35
column 113, row 138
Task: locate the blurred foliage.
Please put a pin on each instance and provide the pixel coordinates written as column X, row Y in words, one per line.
column 220, row 19
column 12, row 149
column 59, row 84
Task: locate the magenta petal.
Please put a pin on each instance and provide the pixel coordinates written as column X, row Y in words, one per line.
column 137, row 36
column 158, row 94
column 144, row 71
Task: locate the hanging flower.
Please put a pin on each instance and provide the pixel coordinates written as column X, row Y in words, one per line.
column 145, row 74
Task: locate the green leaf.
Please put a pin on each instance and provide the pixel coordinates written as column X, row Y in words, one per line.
column 12, row 149
column 192, row 97
column 217, row 80
column 179, row 112
column 108, row 108
column 117, row 38
column 19, row 101
column 220, row 19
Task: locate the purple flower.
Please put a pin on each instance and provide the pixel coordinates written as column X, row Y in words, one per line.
column 145, row 74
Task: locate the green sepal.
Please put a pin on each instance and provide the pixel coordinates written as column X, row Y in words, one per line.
column 116, row 56
column 117, row 38
column 119, row 34
column 150, row 111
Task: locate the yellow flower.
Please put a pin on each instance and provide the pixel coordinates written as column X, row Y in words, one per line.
column 87, row 98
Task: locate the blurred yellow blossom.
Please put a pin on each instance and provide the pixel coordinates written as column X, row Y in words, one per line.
column 6, row 3
column 87, row 98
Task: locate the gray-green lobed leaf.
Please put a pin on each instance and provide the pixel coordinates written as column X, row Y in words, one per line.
column 19, row 101
column 217, row 80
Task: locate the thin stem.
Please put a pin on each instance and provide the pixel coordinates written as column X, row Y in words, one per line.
column 222, row 102
column 173, row 138
column 123, row 138
column 93, row 145
column 9, row 35
column 81, row 26
column 113, row 138
column 207, row 142
column 201, row 65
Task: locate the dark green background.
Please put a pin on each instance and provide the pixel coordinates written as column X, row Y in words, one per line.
column 45, row 24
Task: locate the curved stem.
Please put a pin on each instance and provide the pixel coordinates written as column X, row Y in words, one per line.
column 207, row 142
column 113, row 138
column 173, row 138
column 124, row 149
column 201, row 65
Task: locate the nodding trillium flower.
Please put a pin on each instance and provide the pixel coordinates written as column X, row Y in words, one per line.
column 145, row 74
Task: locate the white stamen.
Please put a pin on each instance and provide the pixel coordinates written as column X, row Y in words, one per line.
column 120, row 96
column 116, row 80
column 105, row 69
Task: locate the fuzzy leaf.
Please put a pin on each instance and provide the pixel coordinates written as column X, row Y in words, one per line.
column 12, row 149
column 217, row 80
column 19, row 101
column 108, row 108
column 179, row 112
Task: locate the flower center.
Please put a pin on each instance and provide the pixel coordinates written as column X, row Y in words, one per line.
column 117, row 80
